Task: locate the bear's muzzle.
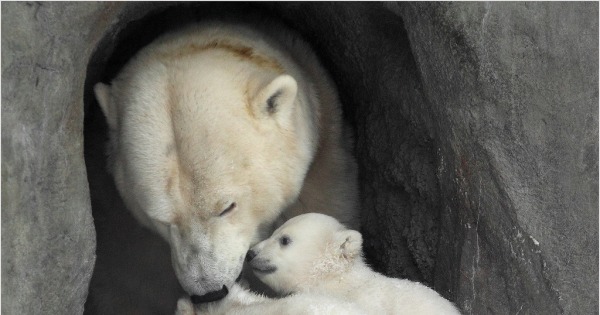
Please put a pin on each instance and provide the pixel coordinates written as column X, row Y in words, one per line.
column 210, row 296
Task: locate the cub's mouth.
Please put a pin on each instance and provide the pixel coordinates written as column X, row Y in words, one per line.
column 262, row 267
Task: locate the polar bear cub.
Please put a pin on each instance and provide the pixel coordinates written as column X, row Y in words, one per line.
column 243, row 302
column 315, row 253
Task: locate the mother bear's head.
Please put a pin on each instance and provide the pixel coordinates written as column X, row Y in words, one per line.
column 209, row 140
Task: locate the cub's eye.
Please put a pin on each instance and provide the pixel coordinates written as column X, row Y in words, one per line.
column 228, row 209
column 285, row 240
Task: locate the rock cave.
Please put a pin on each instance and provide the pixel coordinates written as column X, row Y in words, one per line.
column 475, row 131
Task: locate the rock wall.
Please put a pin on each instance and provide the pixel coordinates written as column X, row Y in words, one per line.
column 476, row 128
column 513, row 88
column 48, row 238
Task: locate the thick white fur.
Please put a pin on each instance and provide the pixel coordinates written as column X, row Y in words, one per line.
column 240, row 301
column 325, row 258
column 221, row 116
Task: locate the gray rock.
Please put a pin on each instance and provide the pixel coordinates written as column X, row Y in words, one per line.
column 48, row 238
column 513, row 90
column 476, row 128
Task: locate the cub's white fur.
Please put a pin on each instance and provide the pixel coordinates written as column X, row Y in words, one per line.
column 215, row 130
column 315, row 253
column 243, row 302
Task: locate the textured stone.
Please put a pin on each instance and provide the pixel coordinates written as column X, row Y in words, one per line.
column 476, row 131
column 513, row 89
column 48, row 238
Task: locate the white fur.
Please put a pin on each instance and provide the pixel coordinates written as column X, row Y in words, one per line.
column 325, row 258
column 243, row 302
column 220, row 116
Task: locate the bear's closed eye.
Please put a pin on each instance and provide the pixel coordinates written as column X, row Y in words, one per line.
column 228, row 209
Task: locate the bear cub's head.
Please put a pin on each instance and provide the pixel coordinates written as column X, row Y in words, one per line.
column 306, row 249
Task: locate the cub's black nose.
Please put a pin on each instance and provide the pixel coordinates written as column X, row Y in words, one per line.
column 210, row 296
column 250, row 255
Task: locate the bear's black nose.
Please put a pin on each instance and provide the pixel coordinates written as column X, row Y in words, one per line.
column 210, row 296
column 250, row 255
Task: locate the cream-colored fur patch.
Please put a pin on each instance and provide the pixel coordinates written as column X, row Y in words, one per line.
column 244, row 302
column 315, row 253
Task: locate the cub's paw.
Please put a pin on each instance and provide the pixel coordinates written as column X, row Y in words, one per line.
column 185, row 307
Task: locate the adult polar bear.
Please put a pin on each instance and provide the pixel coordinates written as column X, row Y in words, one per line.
column 215, row 131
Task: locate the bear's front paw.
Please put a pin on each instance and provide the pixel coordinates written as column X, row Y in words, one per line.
column 185, row 307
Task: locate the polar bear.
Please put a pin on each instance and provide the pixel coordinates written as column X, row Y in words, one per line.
column 241, row 301
column 217, row 129
column 315, row 253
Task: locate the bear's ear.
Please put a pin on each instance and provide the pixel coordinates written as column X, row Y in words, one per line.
column 276, row 99
column 104, row 98
column 350, row 243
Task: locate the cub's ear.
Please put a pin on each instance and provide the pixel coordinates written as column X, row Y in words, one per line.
column 276, row 99
column 104, row 98
column 350, row 243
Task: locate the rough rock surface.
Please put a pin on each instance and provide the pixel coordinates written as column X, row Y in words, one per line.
column 513, row 92
column 48, row 239
column 476, row 128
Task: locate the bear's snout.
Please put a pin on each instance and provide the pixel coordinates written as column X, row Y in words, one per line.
column 210, row 296
column 250, row 255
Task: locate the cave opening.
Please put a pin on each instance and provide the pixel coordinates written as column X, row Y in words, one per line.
column 394, row 147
